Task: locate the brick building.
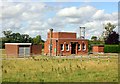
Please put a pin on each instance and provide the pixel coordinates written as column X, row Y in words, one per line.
column 22, row 49
column 98, row 49
column 64, row 43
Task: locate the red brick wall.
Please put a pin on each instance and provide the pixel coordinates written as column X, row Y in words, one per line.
column 67, row 35
column 98, row 49
column 11, row 50
column 62, row 35
column 36, row 49
column 101, row 49
column 64, row 41
column 46, row 45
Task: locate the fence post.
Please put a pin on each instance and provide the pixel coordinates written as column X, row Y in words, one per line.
column 108, row 58
column 89, row 57
column 81, row 57
column 98, row 58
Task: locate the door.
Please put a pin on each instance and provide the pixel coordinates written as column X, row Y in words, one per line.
column 21, row 51
column 73, row 48
column 27, row 51
column 24, row 51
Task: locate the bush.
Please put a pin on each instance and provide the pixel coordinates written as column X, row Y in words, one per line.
column 112, row 48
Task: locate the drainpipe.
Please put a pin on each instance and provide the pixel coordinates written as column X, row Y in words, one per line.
column 51, row 31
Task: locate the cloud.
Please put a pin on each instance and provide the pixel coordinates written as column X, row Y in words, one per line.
column 89, row 17
column 36, row 18
column 23, row 17
column 75, row 12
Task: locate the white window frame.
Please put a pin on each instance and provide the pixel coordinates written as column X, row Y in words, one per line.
column 62, row 47
column 68, row 47
column 49, row 47
column 79, row 46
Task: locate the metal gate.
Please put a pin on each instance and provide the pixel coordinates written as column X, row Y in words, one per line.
column 24, row 51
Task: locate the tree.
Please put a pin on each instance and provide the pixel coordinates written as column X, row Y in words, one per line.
column 108, row 30
column 7, row 33
column 16, row 37
column 94, row 38
column 113, row 38
column 109, row 27
column 37, row 39
column 19, row 38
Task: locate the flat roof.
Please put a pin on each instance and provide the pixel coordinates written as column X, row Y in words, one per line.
column 77, row 39
column 64, row 32
column 18, row 43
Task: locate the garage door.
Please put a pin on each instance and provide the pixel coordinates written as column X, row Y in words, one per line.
column 24, row 51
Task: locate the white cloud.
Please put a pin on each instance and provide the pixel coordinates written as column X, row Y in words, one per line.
column 99, row 14
column 23, row 17
column 77, row 12
column 88, row 16
column 34, row 18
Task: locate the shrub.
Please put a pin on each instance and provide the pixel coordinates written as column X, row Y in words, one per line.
column 112, row 48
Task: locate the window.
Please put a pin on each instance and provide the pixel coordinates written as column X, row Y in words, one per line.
column 83, row 47
column 79, row 47
column 67, row 47
column 62, row 47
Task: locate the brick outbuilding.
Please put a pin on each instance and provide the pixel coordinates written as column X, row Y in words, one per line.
column 98, row 48
column 65, row 43
column 22, row 49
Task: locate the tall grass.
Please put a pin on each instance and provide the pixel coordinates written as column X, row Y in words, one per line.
column 60, row 70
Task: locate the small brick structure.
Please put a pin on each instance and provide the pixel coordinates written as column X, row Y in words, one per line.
column 65, row 43
column 22, row 49
column 98, row 48
column 36, row 49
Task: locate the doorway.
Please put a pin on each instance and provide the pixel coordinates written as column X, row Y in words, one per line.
column 73, row 48
column 24, row 51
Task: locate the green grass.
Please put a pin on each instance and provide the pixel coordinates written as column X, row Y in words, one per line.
column 46, row 69
column 60, row 70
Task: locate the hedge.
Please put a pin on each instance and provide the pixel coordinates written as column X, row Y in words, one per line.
column 112, row 48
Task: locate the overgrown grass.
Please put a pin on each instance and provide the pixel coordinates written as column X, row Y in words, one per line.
column 60, row 70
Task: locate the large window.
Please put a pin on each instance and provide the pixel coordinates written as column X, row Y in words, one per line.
column 62, row 47
column 67, row 47
column 83, row 47
column 79, row 47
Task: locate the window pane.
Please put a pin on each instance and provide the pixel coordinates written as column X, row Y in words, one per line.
column 67, row 47
column 83, row 46
column 62, row 47
column 79, row 47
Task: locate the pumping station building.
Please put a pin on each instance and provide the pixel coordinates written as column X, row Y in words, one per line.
column 65, row 43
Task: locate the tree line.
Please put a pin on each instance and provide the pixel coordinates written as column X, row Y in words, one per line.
column 109, row 36
column 10, row 37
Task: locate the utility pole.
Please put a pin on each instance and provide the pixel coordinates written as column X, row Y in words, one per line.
column 51, row 32
column 56, row 46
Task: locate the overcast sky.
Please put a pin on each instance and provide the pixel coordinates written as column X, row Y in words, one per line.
column 36, row 18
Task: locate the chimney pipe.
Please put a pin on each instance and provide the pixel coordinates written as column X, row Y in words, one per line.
column 82, row 33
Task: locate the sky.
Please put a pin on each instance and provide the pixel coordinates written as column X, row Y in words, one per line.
column 36, row 18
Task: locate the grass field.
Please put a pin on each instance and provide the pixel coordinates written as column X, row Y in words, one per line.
column 43, row 69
